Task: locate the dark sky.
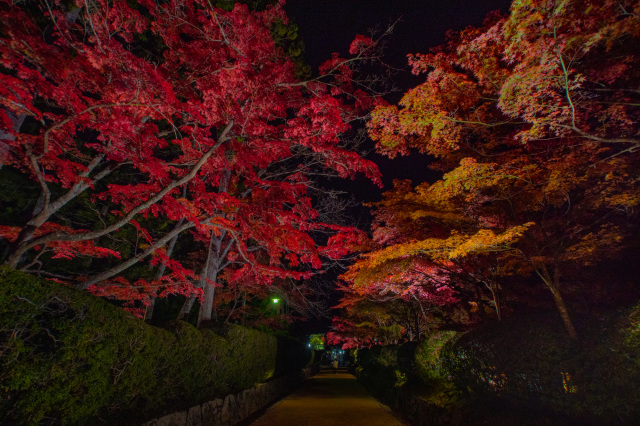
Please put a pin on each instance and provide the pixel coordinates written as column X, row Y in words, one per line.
column 328, row 26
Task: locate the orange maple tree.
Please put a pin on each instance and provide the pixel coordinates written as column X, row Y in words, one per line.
column 534, row 118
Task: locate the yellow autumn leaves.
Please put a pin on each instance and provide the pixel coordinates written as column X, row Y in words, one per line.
column 457, row 245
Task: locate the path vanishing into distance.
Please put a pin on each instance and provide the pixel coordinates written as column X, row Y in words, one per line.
column 329, row 399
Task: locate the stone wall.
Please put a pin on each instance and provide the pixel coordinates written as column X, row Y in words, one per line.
column 234, row 408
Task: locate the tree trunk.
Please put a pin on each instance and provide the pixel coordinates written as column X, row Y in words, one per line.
column 44, row 209
column 552, row 284
column 232, row 310
column 186, row 308
column 202, row 283
column 479, row 300
column 564, row 313
column 215, row 258
column 209, row 274
column 495, row 294
column 498, row 303
column 17, row 121
column 425, row 317
column 212, row 266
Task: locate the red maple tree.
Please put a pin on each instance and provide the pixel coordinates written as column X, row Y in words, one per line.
column 177, row 112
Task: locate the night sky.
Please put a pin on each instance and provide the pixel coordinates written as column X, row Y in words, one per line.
column 328, row 26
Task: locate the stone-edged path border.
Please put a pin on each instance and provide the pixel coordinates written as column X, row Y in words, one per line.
column 233, row 408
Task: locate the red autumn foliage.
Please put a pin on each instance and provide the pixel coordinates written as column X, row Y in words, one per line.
column 177, row 113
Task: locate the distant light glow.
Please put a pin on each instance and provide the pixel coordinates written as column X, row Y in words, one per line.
column 276, row 300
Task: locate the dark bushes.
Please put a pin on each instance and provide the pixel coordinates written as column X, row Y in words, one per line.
column 68, row 357
column 532, row 363
column 382, row 370
column 292, row 357
column 521, row 371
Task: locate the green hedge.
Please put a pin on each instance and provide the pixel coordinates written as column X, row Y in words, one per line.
column 68, row 357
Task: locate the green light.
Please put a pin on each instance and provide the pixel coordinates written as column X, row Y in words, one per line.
column 275, row 300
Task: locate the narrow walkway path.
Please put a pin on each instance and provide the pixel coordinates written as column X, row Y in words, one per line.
column 329, row 399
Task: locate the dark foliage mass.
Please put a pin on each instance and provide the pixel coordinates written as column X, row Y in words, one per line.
column 507, row 373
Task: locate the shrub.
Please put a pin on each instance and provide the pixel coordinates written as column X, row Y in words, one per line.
column 69, row 357
column 427, row 356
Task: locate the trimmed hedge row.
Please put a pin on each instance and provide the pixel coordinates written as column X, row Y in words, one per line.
column 516, row 371
column 68, row 357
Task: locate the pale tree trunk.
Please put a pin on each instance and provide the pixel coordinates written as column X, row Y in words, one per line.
column 233, row 309
column 212, row 266
column 423, row 313
column 186, row 308
column 214, row 263
column 202, row 283
column 208, row 279
column 495, row 294
column 564, row 313
column 552, row 284
column 45, row 208
column 479, row 299
column 148, row 314
column 416, row 321
column 498, row 303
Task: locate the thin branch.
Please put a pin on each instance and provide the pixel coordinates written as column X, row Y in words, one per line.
column 93, row 27
column 132, row 261
column 599, row 139
column 36, row 170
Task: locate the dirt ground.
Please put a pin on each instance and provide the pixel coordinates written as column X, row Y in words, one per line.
column 329, row 399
